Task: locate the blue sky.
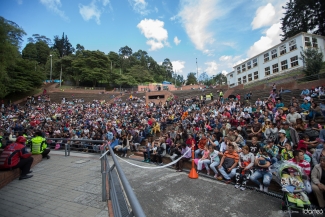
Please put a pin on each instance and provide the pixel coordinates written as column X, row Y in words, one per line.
column 219, row 33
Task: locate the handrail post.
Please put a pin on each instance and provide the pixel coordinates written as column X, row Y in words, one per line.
column 103, row 170
column 66, row 149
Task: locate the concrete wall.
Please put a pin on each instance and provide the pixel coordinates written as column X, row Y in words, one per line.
column 153, row 93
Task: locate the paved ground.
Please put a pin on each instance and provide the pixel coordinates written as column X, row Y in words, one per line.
column 165, row 192
column 61, row 186
column 71, row 186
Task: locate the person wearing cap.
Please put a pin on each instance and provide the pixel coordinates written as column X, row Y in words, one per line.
column 15, row 156
column 281, row 140
column 291, row 133
column 318, row 153
column 318, row 182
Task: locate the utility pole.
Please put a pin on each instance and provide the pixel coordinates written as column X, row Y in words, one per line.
column 51, row 70
column 197, row 72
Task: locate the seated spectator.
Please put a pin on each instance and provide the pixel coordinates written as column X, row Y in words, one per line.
column 214, row 160
column 188, row 155
column 298, row 158
column 254, row 147
column 318, row 182
column 205, row 159
column 279, row 104
column 305, row 92
column 271, row 132
column 307, row 155
column 147, row 151
column 160, row 151
column 256, row 129
column 305, row 143
column 291, row 134
column 272, row 151
column 287, row 153
column 244, row 171
column 262, row 164
column 239, row 139
column 15, row 156
column 228, row 164
column 201, row 145
column 305, row 107
column 318, row 153
column 38, row 145
column 300, row 126
column 315, row 111
column 293, row 116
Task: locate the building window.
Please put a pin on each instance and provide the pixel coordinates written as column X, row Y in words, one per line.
column 283, row 49
column 266, row 57
column 243, row 67
column 314, row 40
column 274, row 53
column 292, row 45
column 249, row 66
column 250, row 77
column 255, row 75
column 238, row 70
column 307, row 42
column 267, row 71
column 294, row 61
column 244, row 80
column 284, row 65
column 275, row 68
column 239, row 80
column 254, row 62
column 232, row 75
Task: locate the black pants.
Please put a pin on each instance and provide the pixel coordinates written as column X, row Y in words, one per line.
column 157, row 158
column 24, row 165
column 45, row 152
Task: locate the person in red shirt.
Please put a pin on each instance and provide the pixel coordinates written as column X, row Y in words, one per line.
column 190, row 141
column 202, row 143
column 15, row 156
column 298, row 158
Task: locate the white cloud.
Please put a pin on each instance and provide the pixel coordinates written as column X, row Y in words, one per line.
column 196, row 16
column 54, row 6
column 264, row 16
column 90, row 11
column 271, row 38
column 106, row 2
column 139, row 6
column 178, row 66
column 154, row 31
column 177, row 41
column 225, row 58
column 212, row 68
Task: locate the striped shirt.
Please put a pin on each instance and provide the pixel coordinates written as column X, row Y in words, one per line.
column 305, row 166
column 232, row 155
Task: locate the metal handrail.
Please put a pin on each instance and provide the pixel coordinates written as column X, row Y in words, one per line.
column 135, row 205
column 311, row 77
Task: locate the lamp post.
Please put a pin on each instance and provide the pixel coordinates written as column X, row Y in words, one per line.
column 51, row 70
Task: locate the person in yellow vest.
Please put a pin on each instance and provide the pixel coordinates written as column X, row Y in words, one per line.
column 38, row 145
column 221, row 93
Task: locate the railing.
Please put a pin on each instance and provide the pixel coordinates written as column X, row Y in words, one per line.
column 124, row 201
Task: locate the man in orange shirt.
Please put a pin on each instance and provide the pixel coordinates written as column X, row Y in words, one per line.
column 228, row 164
column 201, row 145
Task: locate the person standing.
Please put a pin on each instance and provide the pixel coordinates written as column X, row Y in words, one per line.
column 15, row 156
column 38, row 145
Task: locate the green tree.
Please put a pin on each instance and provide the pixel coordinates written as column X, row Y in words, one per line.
column 10, row 39
column 303, row 16
column 191, row 78
column 168, row 67
column 220, row 79
column 140, row 74
column 63, row 45
column 312, row 59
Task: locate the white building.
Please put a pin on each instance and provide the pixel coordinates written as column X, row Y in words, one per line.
column 281, row 58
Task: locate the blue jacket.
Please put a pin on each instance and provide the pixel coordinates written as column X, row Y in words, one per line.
column 305, row 106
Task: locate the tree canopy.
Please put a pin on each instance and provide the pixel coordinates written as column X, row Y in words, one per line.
column 303, row 16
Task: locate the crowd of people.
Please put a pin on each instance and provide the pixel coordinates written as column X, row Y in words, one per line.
column 233, row 139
